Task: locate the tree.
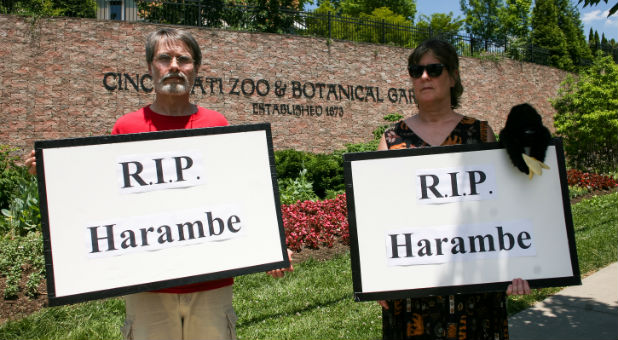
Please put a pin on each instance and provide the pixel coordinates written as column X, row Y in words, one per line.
column 587, row 116
column 323, row 23
column 354, row 8
column 277, row 16
column 439, row 24
column 546, row 34
column 375, row 22
column 481, row 18
column 384, row 19
column 597, row 42
column 605, row 46
column 271, row 17
column 596, row 2
column 179, row 12
column 46, row 8
column 27, row 7
column 335, row 4
column 592, row 44
column 300, row 4
column 318, row 25
column 571, row 25
column 76, row 8
column 515, row 19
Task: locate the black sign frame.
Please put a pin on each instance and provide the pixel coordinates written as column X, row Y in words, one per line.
column 42, row 146
column 360, row 292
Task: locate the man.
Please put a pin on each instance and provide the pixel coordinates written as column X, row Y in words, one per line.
column 196, row 311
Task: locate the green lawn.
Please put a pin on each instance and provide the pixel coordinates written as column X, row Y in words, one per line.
column 315, row 301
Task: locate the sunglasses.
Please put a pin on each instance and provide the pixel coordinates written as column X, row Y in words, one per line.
column 433, row 70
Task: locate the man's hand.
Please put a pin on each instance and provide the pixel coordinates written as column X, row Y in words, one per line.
column 31, row 163
column 278, row 273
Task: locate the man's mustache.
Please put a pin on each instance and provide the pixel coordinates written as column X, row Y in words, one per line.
column 174, row 75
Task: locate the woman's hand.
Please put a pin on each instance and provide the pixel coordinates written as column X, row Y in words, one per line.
column 518, row 287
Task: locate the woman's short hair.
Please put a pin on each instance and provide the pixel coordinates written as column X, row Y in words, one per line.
column 447, row 55
column 172, row 34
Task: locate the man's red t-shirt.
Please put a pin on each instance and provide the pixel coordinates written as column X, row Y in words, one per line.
column 146, row 120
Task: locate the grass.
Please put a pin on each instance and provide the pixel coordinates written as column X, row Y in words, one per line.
column 91, row 320
column 316, row 300
column 596, row 232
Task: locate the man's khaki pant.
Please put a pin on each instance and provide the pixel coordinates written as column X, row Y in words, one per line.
column 200, row 315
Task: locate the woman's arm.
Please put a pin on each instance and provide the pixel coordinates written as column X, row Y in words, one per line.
column 382, row 145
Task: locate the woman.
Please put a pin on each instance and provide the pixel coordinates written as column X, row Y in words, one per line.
column 434, row 68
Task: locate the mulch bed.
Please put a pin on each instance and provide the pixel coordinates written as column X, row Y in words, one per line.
column 24, row 305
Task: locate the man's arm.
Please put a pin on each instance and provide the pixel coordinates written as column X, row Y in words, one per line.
column 31, row 163
column 278, row 273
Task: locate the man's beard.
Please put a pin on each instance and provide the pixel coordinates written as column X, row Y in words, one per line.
column 172, row 87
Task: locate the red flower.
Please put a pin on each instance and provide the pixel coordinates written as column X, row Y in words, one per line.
column 316, row 224
column 591, row 181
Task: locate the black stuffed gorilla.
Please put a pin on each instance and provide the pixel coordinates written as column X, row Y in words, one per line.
column 524, row 133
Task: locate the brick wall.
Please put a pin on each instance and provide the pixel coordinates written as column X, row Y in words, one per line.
column 65, row 77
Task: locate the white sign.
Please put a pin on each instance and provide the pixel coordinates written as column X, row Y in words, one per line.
column 139, row 212
column 456, row 219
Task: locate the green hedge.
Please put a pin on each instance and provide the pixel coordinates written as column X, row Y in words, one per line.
column 324, row 172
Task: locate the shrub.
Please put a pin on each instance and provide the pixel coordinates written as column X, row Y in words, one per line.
column 326, row 172
column 23, row 215
column 19, row 199
column 332, row 194
column 361, row 147
column 587, row 117
column 289, row 163
column 11, row 175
